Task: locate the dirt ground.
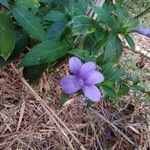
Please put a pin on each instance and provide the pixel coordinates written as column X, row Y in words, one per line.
column 31, row 119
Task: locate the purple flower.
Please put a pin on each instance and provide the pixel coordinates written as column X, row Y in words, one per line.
column 84, row 77
column 143, row 31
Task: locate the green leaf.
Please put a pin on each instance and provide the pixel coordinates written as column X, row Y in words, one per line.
column 33, row 73
column 28, row 3
column 113, row 46
column 4, row 3
column 121, row 13
column 89, row 103
column 109, row 91
column 56, row 29
column 95, row 42
column 147, row 100
column 77, row 7
column 55, row 16
column 116, row 74
column 30, row 23
column 7, row 37
column 22, row 40
column 105, row 16
column 135, row 79
column 83, row 25
column 107, row 68
column 81, row 53
column 112, row 73
column 45, row 52
column 139, row 88
column 130, row 41
column 64, row 97
column 46, row 1
column 123, row 90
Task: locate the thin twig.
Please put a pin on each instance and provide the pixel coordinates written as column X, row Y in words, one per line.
column 51, row 113
column 21, row 115
column 143, row 13
column 138, row 52
column 115, row 127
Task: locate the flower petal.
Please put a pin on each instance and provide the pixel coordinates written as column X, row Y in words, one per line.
column 86, row 68
column 94, row 77
column 69, row 84
column 143, row 31
column 92, row 92
column 74, row 65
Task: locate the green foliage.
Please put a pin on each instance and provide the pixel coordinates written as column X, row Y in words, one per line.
column 81, row 53
column 4, row 3
column 83, row 25
column 130, row 41
column 45, row 52
column 52, row 30
column 21, row 42
column 77, row 7
column 33, row 73
column 123, row 90
column 55, row 16
column 7, row 37
column 113, row 45
column 63, row 99
column 30, row 23
column 28, row 3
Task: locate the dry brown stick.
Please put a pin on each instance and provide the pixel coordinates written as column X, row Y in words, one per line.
column 115, row 127
column 50, row 112
column 134, row 51
column 21, row 115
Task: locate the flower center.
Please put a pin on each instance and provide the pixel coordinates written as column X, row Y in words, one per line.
column 80, row 82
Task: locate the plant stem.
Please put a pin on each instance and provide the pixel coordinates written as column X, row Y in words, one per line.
column 143, row 13
column 126, row 47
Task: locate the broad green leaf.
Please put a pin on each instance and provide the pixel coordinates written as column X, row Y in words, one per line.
column 105, row 16
column 130, row 41
column 63, row 98
column 47, row 1
column 56, row 29
column 30, row 23
column 118, row 53
column 7, row 36
column 45, row 52
column 55, row 16
column 139, row 88
column 147, row 100
column 89, row 103
column 135, row 79
column 121, row 13
column 123, row 90
column 109, row 91
column 83, row 25
column 81, row 53
column 4, row 3
column 22, row 40
column 76, row 8
column 95, row 42
column 113, row 46
column 107, row 68
column 129, row 25
column 111, row 73
column 28, row 3
column 33, row 73
column 115, row 75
